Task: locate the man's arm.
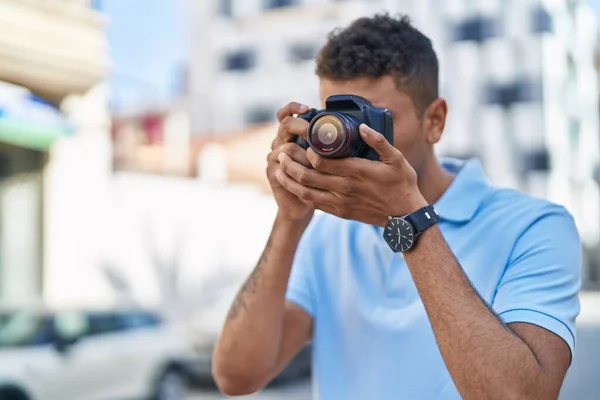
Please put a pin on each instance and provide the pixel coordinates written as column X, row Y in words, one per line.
column 262, row 331
column 538, row 293
column 486, row 358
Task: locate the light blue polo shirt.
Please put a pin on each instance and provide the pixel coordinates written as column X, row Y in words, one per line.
column 372, row 339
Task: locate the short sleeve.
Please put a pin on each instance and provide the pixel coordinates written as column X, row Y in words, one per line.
column 541, row 283
column 301, row 285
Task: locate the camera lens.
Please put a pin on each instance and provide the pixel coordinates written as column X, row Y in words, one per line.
column 327, row 133
column 331, row 134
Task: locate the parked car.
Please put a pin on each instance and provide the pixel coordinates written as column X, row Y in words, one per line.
column 89, row 355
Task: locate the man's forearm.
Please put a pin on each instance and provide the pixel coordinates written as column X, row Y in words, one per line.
column 254, row 322
column 484, row 357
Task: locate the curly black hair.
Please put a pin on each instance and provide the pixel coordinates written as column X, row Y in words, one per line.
column 383, row 45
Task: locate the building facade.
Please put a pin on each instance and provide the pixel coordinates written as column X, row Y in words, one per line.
column 518, row 75
column 53, row 59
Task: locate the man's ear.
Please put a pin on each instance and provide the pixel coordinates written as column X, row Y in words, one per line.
column 434, row 120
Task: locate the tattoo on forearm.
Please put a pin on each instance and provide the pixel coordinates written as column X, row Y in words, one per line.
column 250, row 285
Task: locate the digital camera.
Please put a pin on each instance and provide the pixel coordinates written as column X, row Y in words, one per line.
column 333, row 132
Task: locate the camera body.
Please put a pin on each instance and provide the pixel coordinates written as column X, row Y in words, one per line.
column 333, row 132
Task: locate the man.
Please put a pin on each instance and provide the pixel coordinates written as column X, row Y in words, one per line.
column 481, row 306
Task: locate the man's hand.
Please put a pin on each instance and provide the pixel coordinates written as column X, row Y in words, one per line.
column 354, row 188
column 290, row 207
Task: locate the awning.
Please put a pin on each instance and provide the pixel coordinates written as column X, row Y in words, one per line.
column 27, row 121
column 55, row 48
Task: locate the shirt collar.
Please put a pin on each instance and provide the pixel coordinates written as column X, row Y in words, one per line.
column 462, row 199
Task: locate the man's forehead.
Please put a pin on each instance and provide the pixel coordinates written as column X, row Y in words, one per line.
column 379, row 91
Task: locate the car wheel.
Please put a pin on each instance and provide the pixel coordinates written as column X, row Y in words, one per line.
column 171, row 386
column 12, row 394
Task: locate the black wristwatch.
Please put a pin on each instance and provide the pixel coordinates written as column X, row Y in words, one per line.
column 401, row 233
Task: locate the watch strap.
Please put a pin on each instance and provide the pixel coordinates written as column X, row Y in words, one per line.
column 423, row 218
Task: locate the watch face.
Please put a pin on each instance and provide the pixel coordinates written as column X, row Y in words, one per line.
column 399, row 234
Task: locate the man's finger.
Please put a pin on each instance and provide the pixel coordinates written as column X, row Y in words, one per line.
column 347, row 167
column 308, row 177
column 304, row 193
column 293, row 150
column 378, row 142
column 290, row 109
column 290, row 127
column 296, row 153
column 275, row 144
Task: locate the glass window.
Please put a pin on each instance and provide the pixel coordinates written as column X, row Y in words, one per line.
column 537, row 160
column 260, row 115
column 279, row 3
column 226, row 8
column 542, row 20
column 24, row 329
column 71, row 325
column 102, row 323
column 509, row 93
column 240, row 60
column 574, row 130
column 299, row 52
column 475, row 29
column 137, row 320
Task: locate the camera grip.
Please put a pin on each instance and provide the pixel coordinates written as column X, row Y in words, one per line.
column 300, row 141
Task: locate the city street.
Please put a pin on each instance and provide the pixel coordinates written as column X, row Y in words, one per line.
column 582, row 383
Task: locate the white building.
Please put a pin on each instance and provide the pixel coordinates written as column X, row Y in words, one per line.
column 249, row 57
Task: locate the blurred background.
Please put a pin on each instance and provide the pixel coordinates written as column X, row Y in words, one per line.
column 133, row 134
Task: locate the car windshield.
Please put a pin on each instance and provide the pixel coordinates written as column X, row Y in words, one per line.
column 24, row 329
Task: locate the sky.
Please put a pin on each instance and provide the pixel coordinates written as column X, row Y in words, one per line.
column 148, row 47
column 595, row 5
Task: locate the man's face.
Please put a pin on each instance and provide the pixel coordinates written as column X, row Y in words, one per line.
column 409, row 133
